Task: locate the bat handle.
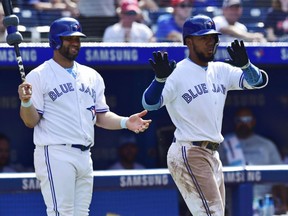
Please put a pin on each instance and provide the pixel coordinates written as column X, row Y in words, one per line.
column 20, row 62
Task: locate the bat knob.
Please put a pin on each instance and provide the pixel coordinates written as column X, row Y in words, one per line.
column 14, row 38
column 11, row 20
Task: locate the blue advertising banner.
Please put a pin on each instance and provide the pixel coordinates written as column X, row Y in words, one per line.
column 111, row 54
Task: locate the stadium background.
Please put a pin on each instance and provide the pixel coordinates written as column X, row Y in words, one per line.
column 127, row 73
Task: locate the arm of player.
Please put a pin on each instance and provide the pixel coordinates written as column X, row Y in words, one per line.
column 239, row 58
column 28, row 112
column 151, row 99
column 112, row 121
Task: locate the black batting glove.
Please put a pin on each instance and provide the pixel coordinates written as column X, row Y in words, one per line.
column 238, row 55
column 161, row 65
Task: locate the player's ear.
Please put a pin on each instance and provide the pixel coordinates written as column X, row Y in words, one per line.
column 187, row 41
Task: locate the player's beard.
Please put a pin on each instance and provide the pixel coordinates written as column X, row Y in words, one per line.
column 201, row 56
column 65, row 52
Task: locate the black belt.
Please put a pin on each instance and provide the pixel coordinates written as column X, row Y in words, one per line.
column 81, row 147
column 205, row 144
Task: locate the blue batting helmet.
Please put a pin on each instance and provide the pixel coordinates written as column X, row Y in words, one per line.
column 65, row 26
column 199, row 25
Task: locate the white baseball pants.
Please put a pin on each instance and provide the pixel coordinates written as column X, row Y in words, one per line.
column 197, row 172
column 66, row 179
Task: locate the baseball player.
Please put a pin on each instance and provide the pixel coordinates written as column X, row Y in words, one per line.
column 63, row 100
column 194, row 95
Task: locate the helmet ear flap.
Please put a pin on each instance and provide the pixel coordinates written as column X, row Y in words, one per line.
column 55, row 42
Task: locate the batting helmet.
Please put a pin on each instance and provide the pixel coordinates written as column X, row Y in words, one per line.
column 65, row 26
column 199, row 25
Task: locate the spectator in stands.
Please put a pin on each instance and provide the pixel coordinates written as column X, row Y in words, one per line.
column 169, row 26
column 47, row 11
column 149, row 5
column 206, row 3
column 276, row 23
column 128, row 29
column 245, row 147
column 3, row 32
column 5, row 155
column 230, row 27
column 163, row 3
column 96, row 15
column 127, row 153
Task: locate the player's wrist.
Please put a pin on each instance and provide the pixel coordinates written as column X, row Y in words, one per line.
column 123, row 122
column 161, row 80
column 26, row 104
column 246, row 65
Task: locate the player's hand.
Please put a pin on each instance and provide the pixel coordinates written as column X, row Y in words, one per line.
column 136, row 124
column 25, row 91
column 161, row 65
column 238, row 55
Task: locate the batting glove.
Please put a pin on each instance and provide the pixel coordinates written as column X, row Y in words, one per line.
column 238, row 55
column 161, row 66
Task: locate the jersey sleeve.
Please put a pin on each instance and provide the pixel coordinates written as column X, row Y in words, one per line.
column 169, row 91
column 100, row 104
column 235, row 78
column 34, row 79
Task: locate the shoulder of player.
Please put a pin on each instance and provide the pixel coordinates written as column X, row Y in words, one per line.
column 88, row 70
column 38, row 70
column 223, row 66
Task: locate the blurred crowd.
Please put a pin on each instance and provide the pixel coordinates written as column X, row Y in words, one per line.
column 153, row 20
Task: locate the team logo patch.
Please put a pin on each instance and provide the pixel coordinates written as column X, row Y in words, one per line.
column 93, row 111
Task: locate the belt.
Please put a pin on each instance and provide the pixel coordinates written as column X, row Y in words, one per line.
column 204, row 144
column 81, row 147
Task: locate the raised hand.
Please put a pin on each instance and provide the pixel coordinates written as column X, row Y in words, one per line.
column 161, row 65
column 238, row 55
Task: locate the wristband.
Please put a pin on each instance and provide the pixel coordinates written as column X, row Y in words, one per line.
column 246, row 66
column 161, row 80
column 123, row 122
column 26, row 104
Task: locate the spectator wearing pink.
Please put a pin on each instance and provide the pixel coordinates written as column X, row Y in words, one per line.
column 128, row 29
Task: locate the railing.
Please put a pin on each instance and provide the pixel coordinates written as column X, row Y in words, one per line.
column 136, row 192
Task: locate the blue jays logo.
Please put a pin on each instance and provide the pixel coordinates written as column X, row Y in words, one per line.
column 93, row 111
column 209, row 24
column 259, row 53
column 75, row 27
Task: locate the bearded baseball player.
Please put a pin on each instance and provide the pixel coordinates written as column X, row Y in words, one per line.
column 63, row 100
column 194, row 95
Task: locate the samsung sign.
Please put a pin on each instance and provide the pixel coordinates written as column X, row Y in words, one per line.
column 144, row 180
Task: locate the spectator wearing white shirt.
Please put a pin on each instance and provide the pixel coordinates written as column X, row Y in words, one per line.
column 128, row 29
column 230, row 27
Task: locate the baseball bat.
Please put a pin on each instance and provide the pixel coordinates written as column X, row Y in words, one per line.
column 14, row 37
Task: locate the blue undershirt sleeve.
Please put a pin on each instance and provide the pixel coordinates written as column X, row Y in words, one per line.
column 151, row 99
column 253, row 75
